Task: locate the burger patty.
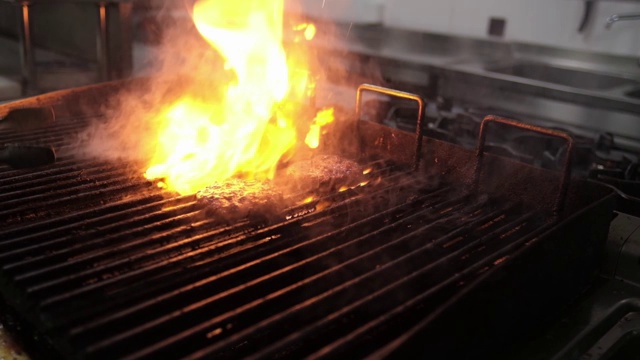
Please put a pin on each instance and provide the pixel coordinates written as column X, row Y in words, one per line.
column 323, row 172
column 239, row 198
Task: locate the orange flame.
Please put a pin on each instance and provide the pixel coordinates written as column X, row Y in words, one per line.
column 246, row 132
column 323, row 118
column 308, row 31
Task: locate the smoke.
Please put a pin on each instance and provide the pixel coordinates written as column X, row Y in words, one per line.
column 128, row 131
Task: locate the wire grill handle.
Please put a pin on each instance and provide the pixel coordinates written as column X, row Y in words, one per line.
column 566, row 168
column 402, row 95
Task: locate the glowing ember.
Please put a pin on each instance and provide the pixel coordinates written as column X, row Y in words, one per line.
column 205, row 140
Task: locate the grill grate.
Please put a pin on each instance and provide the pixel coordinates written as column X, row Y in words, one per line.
column 108, row 266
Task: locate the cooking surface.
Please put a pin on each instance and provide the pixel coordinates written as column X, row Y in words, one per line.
column 466, row 256
column 101, row 263
column 117, row 267
column 120, row 268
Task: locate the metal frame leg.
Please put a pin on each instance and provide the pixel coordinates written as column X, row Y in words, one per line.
column 29, row 78
column 103, row 42
column 124, row 56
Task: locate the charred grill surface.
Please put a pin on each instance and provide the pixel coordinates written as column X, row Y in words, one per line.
column 106, row 265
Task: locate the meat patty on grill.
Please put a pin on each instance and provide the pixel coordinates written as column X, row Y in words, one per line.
column 323, row 172
column 234, row 199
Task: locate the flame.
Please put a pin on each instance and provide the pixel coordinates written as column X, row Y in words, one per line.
column 204, row 139
column 323, row 118
column 307, row 30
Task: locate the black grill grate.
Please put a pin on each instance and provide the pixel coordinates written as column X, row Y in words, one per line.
column 108, row 266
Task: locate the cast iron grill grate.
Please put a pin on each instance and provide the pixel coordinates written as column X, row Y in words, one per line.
column 106, row 265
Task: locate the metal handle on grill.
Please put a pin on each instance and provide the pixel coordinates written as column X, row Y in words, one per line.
column 566, row 169
column 399, row 94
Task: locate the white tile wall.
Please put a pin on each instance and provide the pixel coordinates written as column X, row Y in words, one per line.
column 546, row 22
column 424, row 15
column 346, row 11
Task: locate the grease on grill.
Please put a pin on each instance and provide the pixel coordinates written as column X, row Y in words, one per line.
column 323, row 172
column 239, row 198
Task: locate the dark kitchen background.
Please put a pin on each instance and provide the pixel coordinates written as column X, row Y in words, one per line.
column 566, row 73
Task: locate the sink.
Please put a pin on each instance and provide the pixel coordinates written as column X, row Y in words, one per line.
column 582, row 79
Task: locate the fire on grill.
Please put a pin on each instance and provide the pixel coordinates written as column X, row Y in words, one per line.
column 256, row 121
column 402, row 246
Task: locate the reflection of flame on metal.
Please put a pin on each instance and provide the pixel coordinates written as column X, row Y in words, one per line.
column 367, row 171
column 345, row 188
column 323, row 205
column 307, row 200
column 213, row 333
column 310, row 208
column 501, row 260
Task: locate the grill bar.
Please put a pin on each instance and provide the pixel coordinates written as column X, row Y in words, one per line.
column 62, row 168
column 232, row 242
column 61, row 187
column 91, row 251
column 109, row 266
column 386, row 325
column 92, row 193
column 334, row 325
column 330, row 252
column 197, row 270
column 412, row 261
column 61, row 225
column 65, row 296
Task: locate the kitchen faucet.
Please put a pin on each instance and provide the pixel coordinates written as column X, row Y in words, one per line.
column 620, row 17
